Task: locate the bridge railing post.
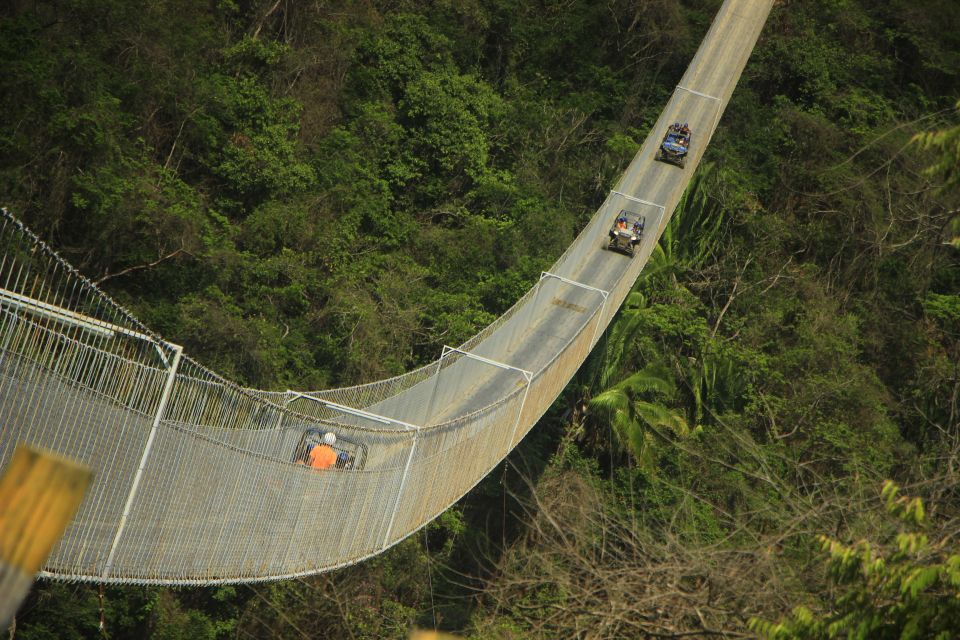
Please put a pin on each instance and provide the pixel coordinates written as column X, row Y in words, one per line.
column 527, row 376
column 138, row 476
column 428, row 411
column 381, row 419
column 403, row 481
column 700, row 94
column 603, row 294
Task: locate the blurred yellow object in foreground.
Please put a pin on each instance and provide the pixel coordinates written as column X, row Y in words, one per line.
column 39, row 494
column 430, row 635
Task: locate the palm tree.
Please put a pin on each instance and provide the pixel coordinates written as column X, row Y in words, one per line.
column 608, row 360
column 693, row 233
column 636, row 405
column 634, row 408
column 714, row 383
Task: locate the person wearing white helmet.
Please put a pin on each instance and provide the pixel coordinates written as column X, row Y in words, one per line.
column 323, row 455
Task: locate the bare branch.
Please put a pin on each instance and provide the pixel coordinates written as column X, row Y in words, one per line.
column 141, row 267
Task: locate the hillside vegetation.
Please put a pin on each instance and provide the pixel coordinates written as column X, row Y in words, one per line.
column 312, row 194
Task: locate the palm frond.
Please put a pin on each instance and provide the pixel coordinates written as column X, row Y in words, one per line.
column 609, row 402
column 651, row 378
column 657, row 415
column 694, row 231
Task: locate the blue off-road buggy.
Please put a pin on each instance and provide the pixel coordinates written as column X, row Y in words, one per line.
column 675, row 145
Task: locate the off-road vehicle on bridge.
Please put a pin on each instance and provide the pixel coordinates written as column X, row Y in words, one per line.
column 350, row 455
column 673, row 149
column 626, row 232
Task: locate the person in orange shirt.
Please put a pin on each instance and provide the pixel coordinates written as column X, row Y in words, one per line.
column 323, row 456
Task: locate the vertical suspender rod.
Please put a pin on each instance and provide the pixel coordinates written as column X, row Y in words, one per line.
column 138, row 476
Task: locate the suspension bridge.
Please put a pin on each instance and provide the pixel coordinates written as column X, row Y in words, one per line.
column 196, row 480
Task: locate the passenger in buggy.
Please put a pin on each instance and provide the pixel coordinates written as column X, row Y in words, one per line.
column 323, row 456
column 344, row 461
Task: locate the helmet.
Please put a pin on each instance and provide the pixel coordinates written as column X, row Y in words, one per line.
column 329, row 438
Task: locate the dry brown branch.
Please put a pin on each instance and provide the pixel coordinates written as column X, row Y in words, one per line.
column 587, row 569
column 141, row 267
column 591, row 573
column 263, row 20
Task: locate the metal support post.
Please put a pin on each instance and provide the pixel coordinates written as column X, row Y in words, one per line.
column 382, row 420
column 72, row 318
column 474, row 356
column 433, row 394
column 596, row 331
column 128, row 506
column 697, row 93
column 528, row 311
column 9, row 332
column 523, row 403
column 359, row 413
column 403, row 481
column 719, row 102
column 60, row 314
column 639, row 201
column 605, row 294
column 291, row 396
column 547, row 274
column 527, row 375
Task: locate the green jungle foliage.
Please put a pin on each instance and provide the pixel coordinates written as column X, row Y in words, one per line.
column 908, row 588
column 308, row 194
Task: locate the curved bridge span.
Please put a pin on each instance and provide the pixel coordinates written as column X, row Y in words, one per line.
column 195, row 481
